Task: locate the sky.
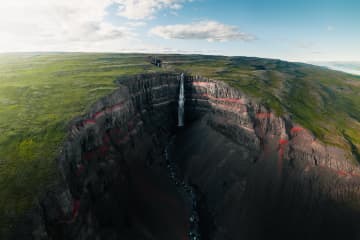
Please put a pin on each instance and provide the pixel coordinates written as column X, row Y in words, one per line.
column 296, row 30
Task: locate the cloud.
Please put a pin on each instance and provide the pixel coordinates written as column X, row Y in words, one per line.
column 42, row 25
column 136, row 24
column 209, row 30
column 81, row 25
column 146, row 9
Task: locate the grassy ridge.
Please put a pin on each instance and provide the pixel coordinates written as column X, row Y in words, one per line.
column 40, row 93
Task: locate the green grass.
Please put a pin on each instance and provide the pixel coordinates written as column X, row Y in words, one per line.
column 41, row 93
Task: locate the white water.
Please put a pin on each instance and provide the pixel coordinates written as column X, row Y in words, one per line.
column 181, row 102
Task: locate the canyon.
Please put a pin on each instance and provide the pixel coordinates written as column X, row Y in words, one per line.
column 244, row 172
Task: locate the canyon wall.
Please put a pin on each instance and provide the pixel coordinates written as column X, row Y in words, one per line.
column 283, row 182
column 113, row 184
column 257, row 175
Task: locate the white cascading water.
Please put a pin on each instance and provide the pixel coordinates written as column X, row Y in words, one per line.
column 181, row 102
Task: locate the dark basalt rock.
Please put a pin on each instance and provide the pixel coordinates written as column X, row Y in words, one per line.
column 256, row 175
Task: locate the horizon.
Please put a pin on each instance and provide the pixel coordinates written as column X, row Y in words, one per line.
column 297, row 31
column 350, row 67
column 175, row 53
column 179, row 53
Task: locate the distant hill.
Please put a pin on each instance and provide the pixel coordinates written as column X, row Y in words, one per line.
column 348, row 67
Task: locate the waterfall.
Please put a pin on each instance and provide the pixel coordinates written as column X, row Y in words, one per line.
column 181, row 102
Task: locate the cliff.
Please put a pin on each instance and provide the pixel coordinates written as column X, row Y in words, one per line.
column 257, row 174
column 273, row 179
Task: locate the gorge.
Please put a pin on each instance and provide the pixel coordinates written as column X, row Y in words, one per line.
column 244, row 172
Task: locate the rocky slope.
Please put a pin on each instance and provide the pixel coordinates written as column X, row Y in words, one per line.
column 257, row 174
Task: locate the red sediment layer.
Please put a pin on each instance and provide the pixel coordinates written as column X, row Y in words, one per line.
column 296, row 130
column 231, row 100
column 264, row 115
column 283, row 142
column 201, row 84
column 105, row 147
column 232, row 108
column 89, row 122
column 98, row 114
column 75, row 210
column 338, row 172
column 101, row 113
column 342, row 173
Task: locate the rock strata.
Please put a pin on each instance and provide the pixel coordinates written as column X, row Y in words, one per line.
column 258, row 174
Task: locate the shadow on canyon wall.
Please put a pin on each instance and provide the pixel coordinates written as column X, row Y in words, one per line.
column 256, row 175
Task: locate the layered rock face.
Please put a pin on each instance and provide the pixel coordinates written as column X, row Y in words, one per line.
column 115, row 185
column 275, row 180
column 256, row 175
